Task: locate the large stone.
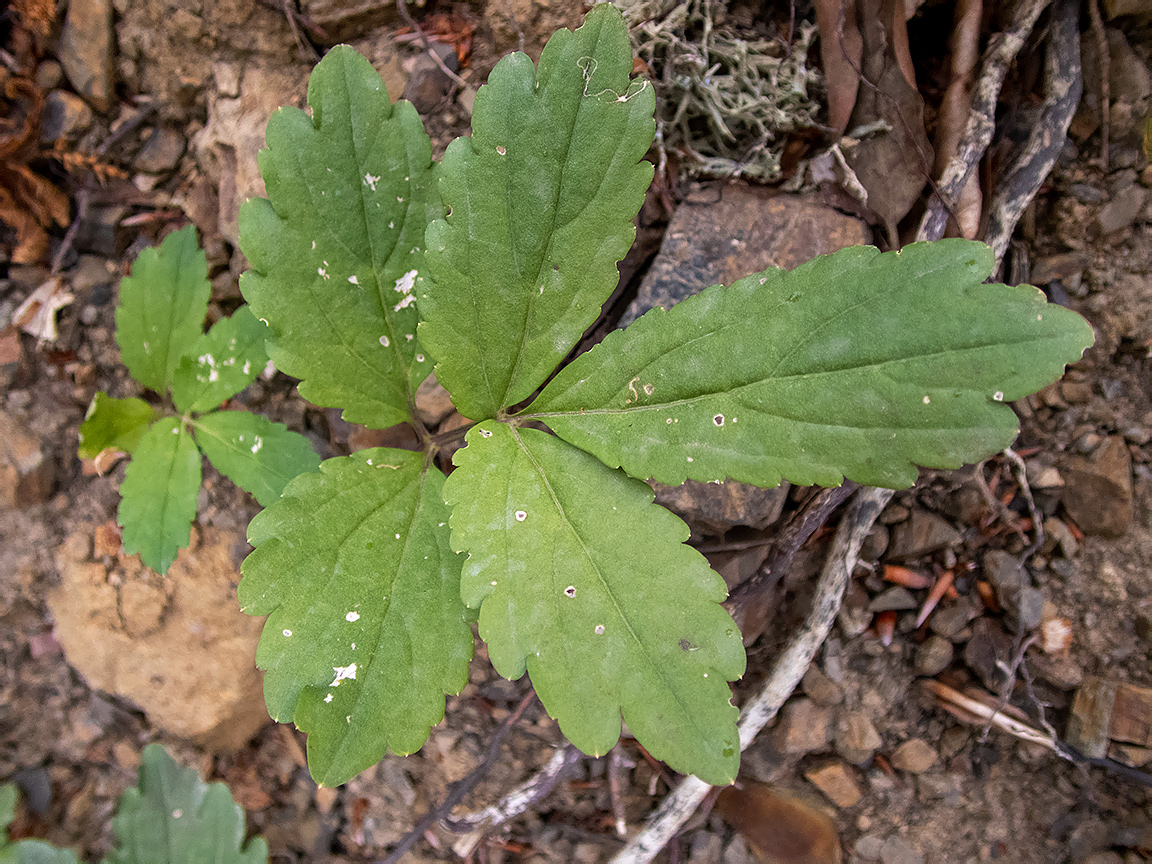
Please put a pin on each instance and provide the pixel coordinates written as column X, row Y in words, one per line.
column 745, row 231
column 1098, row 492
column 177, row 646
column 713, row 508
column 857, row 739
column 933, row 656
column 228, row 145
column 86, row 50
column 161, row 152
column 64, row 116
column 25, row 473
column 835, row 780
column 923, row 533
column 1122, row 211
column 914, row 756
column 803, row 727
column 342, row 20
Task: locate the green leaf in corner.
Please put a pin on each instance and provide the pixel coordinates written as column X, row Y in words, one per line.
column 857, row 364
column 366, row 631
column 162, row 307
column 8, row 796
column 337, row 246
column 25, row 851
column 174, row 817
column 221, row 363
column 542, row 198
column 158, row 495
column 256, row 454
column 588, row 585
column 36, row 852
column 118, row 423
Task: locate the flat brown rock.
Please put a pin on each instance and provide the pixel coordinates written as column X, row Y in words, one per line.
column 1098, row 492
column 178, row 646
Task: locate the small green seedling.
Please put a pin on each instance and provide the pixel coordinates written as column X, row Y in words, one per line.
column 159, row 325
column 171, row 817
column 372, row 264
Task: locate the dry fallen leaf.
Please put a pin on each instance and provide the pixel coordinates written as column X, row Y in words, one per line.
column 781, row 828
column 955, row 108
column 840, row 50
column 37, row 314
column 892, row 165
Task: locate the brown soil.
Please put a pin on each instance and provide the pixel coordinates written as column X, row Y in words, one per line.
column 986, row 796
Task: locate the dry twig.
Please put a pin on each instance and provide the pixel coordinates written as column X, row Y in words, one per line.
column 1031, row 165
column 786, row 673
column 1002, row 50
column 514, row 803
column 462, row 788
column 787, row 543
column 402, row 6
column 1033, row 511
column 1105, row 71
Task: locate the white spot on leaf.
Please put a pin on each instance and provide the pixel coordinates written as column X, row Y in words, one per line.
column 500, row 149
column 371, row 181
column 521, row 515
column 343, row 673
column 286, row 632
column 384, row 341
column 599, row 629
column 718, row 419
column 998, row 395
column 353, row 280
column 328, row 698
column 570, row 591
column 352, row 616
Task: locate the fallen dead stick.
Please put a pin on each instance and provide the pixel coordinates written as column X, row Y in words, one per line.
column 1031, row 164
column 463, row 787
column 514, row 803
column 983, row 709
column 789, row 668
column 979, row 712
column 1002, row 50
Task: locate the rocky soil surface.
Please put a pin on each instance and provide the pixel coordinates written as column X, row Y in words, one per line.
column 100, row 656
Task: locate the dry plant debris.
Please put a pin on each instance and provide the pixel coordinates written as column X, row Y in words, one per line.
column 28, row 202
column 728, row 98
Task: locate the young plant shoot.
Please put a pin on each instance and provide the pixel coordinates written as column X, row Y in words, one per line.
column 372, row 264
column 159, row 328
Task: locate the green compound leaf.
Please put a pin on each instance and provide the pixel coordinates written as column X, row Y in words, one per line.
column 542, row 198
column 158, row 495
column 221, row 363
column 162, row 308
column 174, row 817
column 118, row 423
column 587, row 585
column 256, row 454
column 858, row 364
column 336, row 248
column 366, row 631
